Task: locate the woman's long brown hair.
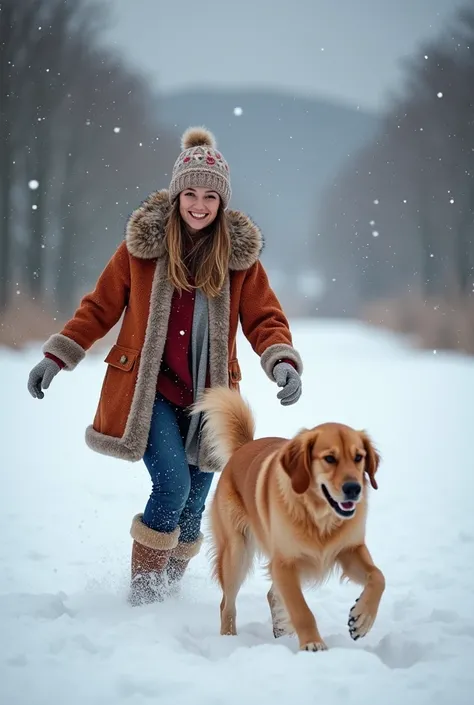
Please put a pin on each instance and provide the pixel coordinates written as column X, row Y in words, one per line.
column 203, row 258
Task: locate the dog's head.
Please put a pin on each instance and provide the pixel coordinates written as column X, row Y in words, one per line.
column 333, row 461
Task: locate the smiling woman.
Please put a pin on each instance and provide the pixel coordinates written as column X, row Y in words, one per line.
column 187, row 274
column 198, row 207
column 197, row 232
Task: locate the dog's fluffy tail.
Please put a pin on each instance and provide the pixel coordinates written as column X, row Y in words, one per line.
column 228, row 422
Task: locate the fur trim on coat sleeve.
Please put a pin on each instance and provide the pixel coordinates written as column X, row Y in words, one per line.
column 277, row 352
column 66, row 349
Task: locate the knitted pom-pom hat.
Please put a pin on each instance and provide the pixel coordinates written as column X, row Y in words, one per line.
column 200, row 164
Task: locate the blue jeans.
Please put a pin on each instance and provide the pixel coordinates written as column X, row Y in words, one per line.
column 179, row 490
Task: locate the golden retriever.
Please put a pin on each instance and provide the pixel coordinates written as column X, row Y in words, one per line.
column 301, row 503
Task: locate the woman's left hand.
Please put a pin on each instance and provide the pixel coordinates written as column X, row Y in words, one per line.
column 288, row 378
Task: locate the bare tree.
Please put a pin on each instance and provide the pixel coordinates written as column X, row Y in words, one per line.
column 404, row 207
column 16, row 22
column 82, row 129
column 113, row 152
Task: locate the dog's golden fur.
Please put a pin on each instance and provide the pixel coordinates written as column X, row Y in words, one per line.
column 272, row 498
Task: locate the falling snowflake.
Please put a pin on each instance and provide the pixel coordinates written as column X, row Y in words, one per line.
column 116, row 130
column 375, row 233
column 440, row 95
column 376, row 202
column 238, row 111
column 372, row 223
column 33, row 184
column 34, row 207
column 451, row 200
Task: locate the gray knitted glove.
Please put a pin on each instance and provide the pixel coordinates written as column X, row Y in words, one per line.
column 287, row 377
column 41, row 376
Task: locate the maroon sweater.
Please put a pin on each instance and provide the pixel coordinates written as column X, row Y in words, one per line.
column 175, row 379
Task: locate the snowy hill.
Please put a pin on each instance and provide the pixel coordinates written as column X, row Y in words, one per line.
column 67, row 634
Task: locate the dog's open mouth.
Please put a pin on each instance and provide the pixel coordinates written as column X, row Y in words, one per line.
column 344, row 509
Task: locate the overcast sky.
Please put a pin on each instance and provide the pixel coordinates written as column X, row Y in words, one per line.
column 348, row 50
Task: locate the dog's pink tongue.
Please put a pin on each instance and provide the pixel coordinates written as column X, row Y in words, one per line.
column 347, row 506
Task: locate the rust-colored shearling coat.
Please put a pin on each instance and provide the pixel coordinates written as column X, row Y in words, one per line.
column 135, row 281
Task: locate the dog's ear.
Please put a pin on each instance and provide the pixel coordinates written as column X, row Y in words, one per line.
column 372, row 459
column 296, row 461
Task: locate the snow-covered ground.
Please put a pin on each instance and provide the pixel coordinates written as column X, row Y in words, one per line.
column 67, row 633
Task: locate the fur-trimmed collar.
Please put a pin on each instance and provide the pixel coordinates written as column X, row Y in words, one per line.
column 144, row 235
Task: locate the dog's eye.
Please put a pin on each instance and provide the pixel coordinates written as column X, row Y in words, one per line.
column 330, row 459
column 358, row 458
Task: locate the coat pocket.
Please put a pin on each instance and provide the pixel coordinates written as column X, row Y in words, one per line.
column 122, row 358
column 235, row 375
column 118, row 388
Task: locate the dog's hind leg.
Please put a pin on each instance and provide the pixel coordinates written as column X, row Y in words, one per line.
column 234, row 561
column 233, row 549
column 280, row 618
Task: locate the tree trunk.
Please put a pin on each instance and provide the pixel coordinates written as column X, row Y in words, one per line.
column 40, row 170
column 5, row 221
column 462, row 259
column 429, row 266
column 6, row 155
column 65, row 289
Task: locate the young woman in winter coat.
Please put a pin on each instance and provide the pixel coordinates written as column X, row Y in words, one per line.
column 186, row 273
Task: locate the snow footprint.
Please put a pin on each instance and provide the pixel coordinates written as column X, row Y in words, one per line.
column 397, row 652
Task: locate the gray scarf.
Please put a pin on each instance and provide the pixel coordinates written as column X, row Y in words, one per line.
column 199, row 356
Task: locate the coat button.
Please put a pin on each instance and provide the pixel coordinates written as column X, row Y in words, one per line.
column 124, row 359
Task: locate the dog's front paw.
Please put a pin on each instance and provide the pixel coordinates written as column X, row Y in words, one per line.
column 314, row 646
column 361, row 617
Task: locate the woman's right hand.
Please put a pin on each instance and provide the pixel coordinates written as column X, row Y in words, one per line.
column 41, row 377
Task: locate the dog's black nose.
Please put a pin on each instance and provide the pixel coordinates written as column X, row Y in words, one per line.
column 351, row 489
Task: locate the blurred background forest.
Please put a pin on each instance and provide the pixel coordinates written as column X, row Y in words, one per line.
column 367, row 206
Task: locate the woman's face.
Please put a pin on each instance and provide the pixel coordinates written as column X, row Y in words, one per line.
column 198, row 207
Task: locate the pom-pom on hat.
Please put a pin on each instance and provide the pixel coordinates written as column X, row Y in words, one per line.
column 200, row 164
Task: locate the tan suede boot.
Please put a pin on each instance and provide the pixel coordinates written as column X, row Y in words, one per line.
column 151, row 552
column 179, row 561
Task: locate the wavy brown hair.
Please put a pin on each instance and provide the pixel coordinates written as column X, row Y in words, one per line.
column 202, row 258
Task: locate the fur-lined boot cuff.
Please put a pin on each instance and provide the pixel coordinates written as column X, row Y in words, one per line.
column 150, row 538
column 185, row 551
